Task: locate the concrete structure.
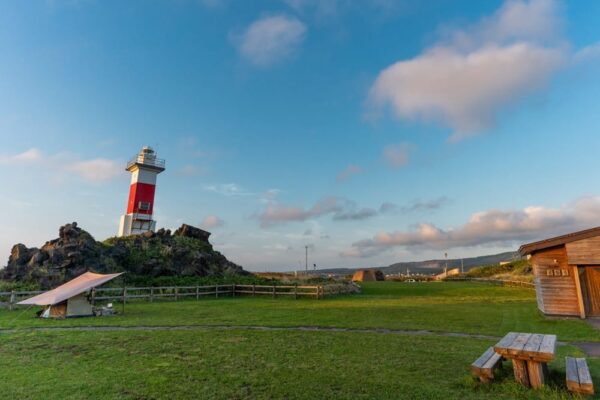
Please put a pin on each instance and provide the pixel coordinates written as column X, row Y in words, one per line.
column 567, row 273
column 144, row 168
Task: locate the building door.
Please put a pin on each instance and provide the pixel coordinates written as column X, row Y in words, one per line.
column 592, row 295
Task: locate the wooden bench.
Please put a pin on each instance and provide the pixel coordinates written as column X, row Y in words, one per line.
column 579, row 379
column 485, row 365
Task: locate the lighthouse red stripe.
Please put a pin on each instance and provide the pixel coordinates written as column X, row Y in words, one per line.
column 140, row 192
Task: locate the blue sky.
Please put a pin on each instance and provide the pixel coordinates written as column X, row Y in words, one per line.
column 374, row 131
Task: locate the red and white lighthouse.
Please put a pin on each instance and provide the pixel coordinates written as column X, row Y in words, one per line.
column 144, row 168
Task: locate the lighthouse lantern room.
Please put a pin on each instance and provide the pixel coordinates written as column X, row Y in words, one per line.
column 144, row 168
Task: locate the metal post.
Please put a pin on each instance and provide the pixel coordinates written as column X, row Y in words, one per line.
column 446, row 268
column 306, row 258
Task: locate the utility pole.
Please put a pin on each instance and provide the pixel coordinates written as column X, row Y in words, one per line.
column 306, row 258
column 446, row 268
column 462, row 266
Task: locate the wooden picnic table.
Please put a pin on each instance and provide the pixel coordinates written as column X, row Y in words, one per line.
column 529, row 353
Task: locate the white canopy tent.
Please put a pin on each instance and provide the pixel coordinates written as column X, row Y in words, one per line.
column 69, row 299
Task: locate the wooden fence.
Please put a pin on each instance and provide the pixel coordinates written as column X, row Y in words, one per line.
column 125, row 294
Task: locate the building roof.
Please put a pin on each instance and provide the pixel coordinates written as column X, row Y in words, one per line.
column 81, row 284
column 558, row 241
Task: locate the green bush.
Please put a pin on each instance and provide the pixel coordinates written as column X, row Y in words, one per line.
column 519, row 267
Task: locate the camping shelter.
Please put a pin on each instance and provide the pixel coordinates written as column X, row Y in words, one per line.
column 368, row 275
column 69, row 299
column 567, row 273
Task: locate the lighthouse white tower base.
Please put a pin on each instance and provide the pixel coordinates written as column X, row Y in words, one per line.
column 135, row 224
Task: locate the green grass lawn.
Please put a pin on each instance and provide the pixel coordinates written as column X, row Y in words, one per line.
column 248, row 364
column 451, row 307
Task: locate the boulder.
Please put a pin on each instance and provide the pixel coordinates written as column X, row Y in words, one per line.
column 192, row 232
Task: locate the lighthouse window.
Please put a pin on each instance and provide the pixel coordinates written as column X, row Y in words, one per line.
column 144, row 206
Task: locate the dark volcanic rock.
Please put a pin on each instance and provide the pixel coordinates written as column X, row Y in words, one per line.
column 192, row 232
column 186, row 253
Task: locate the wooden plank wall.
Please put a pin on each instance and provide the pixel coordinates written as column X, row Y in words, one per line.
column 584, row 252
column 559, row 293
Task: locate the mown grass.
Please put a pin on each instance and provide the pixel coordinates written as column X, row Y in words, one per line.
column 249, row 364
column 467, row 307
column 245, row 364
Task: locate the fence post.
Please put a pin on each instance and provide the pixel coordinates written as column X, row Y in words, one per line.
column 93, row 297
column 176, row 292
column 296, row 291
column 197, row 293
column 216, row 291
column 233, row 290
column 12, row 300
column 253, row 290
column 151, row 294
column 124, row 295
column 273, row 291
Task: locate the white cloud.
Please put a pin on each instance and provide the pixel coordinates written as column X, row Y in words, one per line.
column 30, row 156
column 340, row 209
column 588, row 53
column 212, row 221
column 275, row 213
column 397, row 155
column 350, row 171
column 228, row 189
column 96, row 170
column 270, row 40
column 465, row 80
column 93, row 170
column 486, row 228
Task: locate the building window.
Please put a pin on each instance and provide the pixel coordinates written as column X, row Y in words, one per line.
column 144, row 206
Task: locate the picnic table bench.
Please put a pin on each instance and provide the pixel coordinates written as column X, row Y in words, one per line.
column 485, row 365
column 579, row 379
column 530, row 353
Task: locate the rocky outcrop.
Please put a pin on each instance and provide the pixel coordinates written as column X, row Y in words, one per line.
column 193, row 232
column 187, row 252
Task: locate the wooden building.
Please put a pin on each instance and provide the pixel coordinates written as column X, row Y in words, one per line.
column 567, row 273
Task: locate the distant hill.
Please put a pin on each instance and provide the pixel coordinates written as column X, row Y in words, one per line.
column 432, row 266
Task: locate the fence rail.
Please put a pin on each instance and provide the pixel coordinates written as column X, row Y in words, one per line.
column 124, row 294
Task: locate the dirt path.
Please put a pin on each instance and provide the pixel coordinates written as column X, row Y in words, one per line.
column 591, row 349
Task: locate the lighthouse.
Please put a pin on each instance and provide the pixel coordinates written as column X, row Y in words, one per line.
column 144, row 168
